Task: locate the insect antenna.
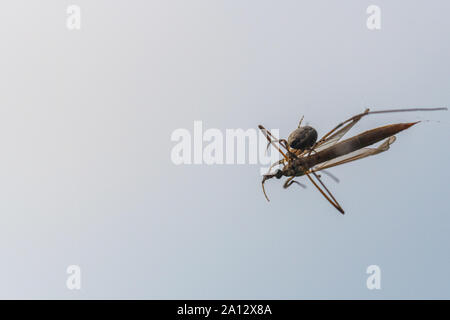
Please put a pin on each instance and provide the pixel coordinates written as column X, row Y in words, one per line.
column 266, row 177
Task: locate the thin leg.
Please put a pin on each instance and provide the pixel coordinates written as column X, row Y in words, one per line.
column 269, row 138
column 282, row 142
column 275, row 164
column 409, row 110
column 300, row 123
column 331, row 199
column 354, row 119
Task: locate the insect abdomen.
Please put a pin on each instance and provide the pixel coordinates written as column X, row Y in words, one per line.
column 302, row 138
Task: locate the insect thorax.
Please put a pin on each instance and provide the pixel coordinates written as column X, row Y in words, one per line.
column 295, row 168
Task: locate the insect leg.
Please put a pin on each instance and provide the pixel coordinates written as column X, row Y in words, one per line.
column 275, row 164
column 270, row 138
column 328, row 195
column 282, row 142
column 300, row 123
column 353, row 119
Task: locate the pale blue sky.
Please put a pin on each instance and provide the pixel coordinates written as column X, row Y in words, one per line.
column 86, row 176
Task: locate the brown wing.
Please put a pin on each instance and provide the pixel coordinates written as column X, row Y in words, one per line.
column 334, row 136
column 356, row 155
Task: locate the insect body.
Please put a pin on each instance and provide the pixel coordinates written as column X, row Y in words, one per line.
column 302, row 155
column 302, row 138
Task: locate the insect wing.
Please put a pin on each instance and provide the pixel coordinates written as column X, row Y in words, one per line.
column 356, row 155
column 335, row 137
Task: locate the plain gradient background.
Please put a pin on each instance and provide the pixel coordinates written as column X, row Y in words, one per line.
column 86, row 176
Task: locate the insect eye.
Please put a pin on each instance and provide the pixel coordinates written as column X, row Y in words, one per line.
column 278, row 174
